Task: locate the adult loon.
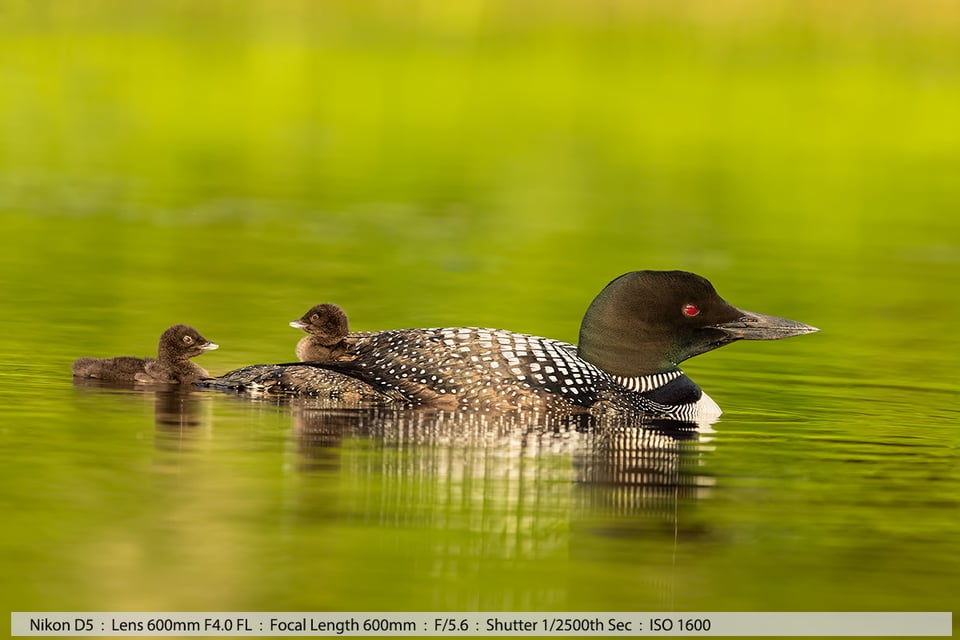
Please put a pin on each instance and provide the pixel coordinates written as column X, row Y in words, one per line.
column 632, row 338
column 172, row 365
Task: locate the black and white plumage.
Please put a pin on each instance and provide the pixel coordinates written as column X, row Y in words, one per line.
column 467, row 367
column 480, row 369
column 302, row 381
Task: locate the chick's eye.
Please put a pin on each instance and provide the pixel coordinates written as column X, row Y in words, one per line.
column 187, row 340
column 690, row 310
column 315, row 317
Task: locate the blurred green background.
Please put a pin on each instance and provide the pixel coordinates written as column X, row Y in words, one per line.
column 488, row 151
column 229, row 164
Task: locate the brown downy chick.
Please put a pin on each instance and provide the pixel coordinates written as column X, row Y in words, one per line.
column 177, row 345
column 327, row 327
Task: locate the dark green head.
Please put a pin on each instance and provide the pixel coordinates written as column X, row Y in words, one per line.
column 650, row 321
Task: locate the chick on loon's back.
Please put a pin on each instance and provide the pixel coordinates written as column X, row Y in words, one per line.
column 327, row 327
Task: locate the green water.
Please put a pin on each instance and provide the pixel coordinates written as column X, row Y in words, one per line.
column 478, row 164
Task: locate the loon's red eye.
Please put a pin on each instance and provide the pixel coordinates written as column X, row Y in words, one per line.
column 690, row 310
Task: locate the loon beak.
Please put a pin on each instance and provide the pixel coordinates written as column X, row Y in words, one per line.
column 758, row 326
column 296, row 324
column 210, row 346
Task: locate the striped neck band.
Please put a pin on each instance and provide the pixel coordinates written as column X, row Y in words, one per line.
column 642, row 384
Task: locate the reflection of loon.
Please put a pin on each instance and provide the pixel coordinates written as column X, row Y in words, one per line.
column 632, row 339
column 501, row 493
column 608, row 451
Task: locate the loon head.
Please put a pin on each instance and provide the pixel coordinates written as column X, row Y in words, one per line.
column 648, row 322
column 181, row 342
column 327, row 323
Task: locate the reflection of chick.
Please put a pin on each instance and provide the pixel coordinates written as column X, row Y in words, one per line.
column 177, row 345
column 326, row 326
